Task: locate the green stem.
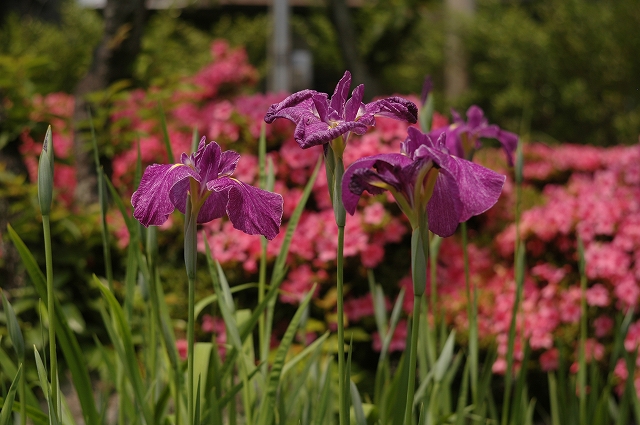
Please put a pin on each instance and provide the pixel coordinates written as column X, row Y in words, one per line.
column 190, row 247
column 472, row 311
column 413, row 350
column 263, row 339
column 419, row 261
column 190, row 352
column 342, row 397
column 53, row 359
column 335, row 171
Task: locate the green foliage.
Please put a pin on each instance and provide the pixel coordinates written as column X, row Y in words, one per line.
column 170, row 48
column 53, row 58
column 571, row 66
column 39, row 58
column 249, row 32
column 401, row 42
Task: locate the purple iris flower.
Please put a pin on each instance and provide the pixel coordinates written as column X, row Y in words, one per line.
column 425, row 177
column 463, row 138
column 319, row 120
column 206, row 175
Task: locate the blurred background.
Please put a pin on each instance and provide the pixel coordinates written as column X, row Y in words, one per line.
column 554, row 71
column 565, row 70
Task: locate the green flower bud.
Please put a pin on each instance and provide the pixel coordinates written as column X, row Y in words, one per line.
column 45, row 174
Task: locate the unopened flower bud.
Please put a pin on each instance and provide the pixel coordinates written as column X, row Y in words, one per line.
column 45, row 174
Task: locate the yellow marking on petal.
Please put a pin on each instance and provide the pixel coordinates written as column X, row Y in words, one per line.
column 176, row 166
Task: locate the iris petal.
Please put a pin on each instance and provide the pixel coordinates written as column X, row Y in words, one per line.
column 292, row 107
column 151, row 202
column 445, row 206
column 352, row 190
column 318, row 133
column 228, row 163
column 394, row 107
column 252, row 210
column 339, row 97
column 208, row 163
column 479, row 187
column 354, row 103
column 214, row 207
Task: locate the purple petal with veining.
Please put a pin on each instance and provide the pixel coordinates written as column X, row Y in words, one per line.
column 354, row 181
column 394, row 107
column 292, row 107
column 252, row 210
column 208, row 163
column 444, row 206
column 354, row 103
column 228, row 162
column 479, row 187
column 214, row 207
column 340, row 93
column 151, row 202
column 318, row 133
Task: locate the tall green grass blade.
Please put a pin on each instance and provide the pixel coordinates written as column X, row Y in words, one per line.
column 232, row 392
column 165, row 134
column 386, row 338
column 296, row 391
column 379, row 307
column 520, row 394
column 194, row 139
column 395, row 394
column 553, row 399
column 11, row 369
column 462, row 397
column 102, row 198
column 279, row 268
column 122, row 339
column 213, row 298
column 444, row 361
column 356, row 405
column 519, row 272
column 46, row 387
column 268, row 404
column 13, row 326
column 67, row 341
column 225, row 302
column 202, row 359
column 196, row 418
column 315, row 346
column 347, row 378
column 37, row 416
column 325, row 392
column 7, row 405
column 129, row 221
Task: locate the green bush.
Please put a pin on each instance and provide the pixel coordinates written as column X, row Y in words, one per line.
column 570, row 68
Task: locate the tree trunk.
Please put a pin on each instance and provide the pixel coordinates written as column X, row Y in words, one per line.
column 112, row 61
column 343, row 23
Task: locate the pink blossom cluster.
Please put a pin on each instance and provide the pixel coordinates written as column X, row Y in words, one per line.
column 588, row 193
column 57, row 110
column 570, row 191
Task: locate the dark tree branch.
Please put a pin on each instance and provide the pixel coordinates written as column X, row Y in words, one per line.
column 112, row 61
column 342, row 21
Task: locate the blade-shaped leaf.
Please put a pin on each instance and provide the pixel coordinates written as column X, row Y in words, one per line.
column 7, row 405
column 66, row 338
